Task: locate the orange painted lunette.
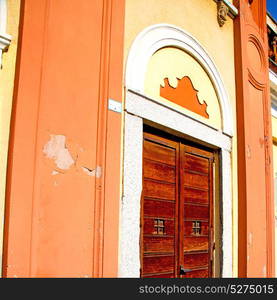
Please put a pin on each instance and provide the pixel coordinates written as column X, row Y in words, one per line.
column 184, row 95
column 49, row 226
column 256, row 213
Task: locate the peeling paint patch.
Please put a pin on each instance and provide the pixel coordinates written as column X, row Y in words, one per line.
column 54, row 172
column 93, row 172
column 88, row 171
column 56, row 149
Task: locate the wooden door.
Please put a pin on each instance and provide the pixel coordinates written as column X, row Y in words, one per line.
column 196, row 212
column 159, row 220
column 176, row 209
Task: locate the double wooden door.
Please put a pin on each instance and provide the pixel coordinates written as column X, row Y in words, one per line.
column 177, row 237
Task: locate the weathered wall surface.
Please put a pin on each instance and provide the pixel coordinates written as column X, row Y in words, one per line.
column 6, row 94
column 64, row 166
column 274, row 135
column 255, row 169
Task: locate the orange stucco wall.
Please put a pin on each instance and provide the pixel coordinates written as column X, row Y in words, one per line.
column 63, row 184
column 256, row 209
column 63, row 181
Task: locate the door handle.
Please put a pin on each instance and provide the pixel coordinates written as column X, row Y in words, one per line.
column 183, row 271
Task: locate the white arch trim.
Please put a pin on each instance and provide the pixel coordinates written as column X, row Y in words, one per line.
column 158, row 36
column 3, row 15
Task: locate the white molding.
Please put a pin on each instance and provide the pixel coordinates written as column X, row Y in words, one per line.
column 274, row 113
column 227, row 214
column 5, row 39
column 158, row 36
column 129, row 253
column 273, row 79
column 3, row 15
column 139, row 108
column 271, row 23
column 273, row 99
column 153, row 110
column 273, row 92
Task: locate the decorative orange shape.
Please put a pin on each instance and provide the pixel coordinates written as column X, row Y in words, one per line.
column 184, row 95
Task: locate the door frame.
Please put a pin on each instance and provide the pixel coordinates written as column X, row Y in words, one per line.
column 140, row 109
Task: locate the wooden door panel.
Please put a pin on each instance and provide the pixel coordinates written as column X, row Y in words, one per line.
column 192, row 195
column 158, row 264
column 156, row 244
column 159, row 153
column 176, row 209
column 159, row 207
column 196, row 244
column 196, row 164
column 159, row 171
column 196, row 212
column 158, row 189
column 196, row 260
column 197, row 181
column 196, row 197
column 202, row 273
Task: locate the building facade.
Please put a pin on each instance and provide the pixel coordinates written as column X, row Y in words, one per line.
column 138, row 138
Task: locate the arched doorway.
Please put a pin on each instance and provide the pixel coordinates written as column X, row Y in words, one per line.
column 143, row 109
